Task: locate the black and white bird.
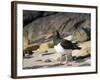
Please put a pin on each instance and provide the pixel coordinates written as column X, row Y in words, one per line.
column 63, row 46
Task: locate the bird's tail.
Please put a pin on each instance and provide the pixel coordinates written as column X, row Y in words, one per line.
column 76, row 46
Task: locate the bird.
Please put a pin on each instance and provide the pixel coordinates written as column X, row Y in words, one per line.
column 64, row 46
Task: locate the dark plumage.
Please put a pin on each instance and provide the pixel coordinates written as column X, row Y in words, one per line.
column 66, row 44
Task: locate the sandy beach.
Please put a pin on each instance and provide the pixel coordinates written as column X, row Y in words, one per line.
column 50, row 58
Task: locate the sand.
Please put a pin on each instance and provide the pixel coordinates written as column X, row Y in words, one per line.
column 49, row 58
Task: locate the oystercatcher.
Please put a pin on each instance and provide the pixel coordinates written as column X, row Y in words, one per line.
column 64, row 47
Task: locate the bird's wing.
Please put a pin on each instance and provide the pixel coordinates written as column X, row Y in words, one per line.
column 66, row 44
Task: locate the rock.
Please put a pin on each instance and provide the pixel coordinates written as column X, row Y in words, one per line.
column 48, row 60
column 29, row 16
column 64, row 22
column 81, row 35
column 25, row 40
column 70, row 37
column 33, row 47
column 45, row 46
column 51, row 55
column 86, row 49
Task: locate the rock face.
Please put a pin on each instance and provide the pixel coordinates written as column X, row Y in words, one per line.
column 67, row 24
column 82, row 35
column 25, row 40
column 86, row 49
column 30, row 16
column 45, row 46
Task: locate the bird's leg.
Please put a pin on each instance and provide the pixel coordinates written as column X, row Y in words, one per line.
column 66, row 58
column 60, row 59
column 69, row 58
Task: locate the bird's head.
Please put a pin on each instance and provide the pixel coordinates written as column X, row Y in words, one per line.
column 56, row 34
column 56, row 37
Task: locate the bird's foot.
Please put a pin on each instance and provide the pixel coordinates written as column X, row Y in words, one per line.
column 61, row 63
column 70, row 63
column 64, row 62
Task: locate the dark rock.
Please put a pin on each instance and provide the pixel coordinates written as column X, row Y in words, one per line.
column 29, row 16
column 27, row 53
column 66, row 23
column 81, row 35
column 48, row 60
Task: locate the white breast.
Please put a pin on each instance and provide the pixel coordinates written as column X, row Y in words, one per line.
column 60, row 50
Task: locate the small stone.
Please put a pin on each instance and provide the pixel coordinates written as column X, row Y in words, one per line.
column 48, row 60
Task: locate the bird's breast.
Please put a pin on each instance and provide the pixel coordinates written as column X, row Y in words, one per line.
column 60, row 49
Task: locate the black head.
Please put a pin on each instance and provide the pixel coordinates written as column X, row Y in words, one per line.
column 56, row 34
column 56, row 37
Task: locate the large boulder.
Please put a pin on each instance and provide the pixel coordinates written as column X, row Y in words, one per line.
column 45, row 46
column 82, row 35
column 86, row 49
column 66, row 23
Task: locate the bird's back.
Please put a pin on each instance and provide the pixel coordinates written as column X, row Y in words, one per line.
column 66, row 44
column 63, row 46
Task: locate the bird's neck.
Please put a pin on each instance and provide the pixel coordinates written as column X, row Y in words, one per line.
column 56, row 40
